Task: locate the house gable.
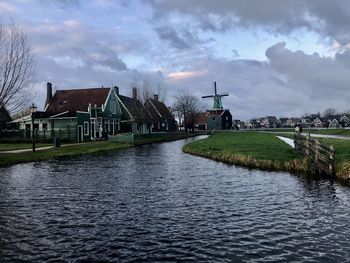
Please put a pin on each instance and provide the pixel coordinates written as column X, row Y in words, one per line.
column 112, row 108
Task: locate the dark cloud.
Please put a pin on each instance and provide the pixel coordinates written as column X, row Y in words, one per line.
column 75, row 53
column 290, row 83
column 170, row 35
column 97, row 55
column 180, row 37
column 328, row 18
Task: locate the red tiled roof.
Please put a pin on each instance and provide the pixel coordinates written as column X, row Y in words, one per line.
column 77, row 100
column 215, row 113
column 202, row 118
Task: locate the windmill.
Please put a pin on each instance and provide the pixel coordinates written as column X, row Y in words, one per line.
column 217, row 98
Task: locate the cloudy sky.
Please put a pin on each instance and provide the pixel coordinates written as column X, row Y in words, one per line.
column 273, row 57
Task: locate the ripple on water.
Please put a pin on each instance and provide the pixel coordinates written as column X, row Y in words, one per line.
column 154, row 203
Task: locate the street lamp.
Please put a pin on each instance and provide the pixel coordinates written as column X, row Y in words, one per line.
column 33, row 109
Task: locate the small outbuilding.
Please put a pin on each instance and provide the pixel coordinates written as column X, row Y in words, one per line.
column 219, row 120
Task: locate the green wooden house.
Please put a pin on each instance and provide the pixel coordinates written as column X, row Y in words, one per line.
column 135, row 117
column 84, row 114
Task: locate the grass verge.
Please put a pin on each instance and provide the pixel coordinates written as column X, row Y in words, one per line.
column 254, row 149
column 330, row 131
column 18, row 146
column 73, row 150
column 342, row 157
column 7, row 159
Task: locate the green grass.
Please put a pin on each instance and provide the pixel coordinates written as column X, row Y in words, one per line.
column 251, row 149
column 18, row 146
column 78, row 149
column 342, row 157
column 330, row 131
column 7, row 159
column 265, row 151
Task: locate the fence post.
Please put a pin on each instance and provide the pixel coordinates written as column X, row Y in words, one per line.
column 68, row 132
column 317, row 145
column 331, row 156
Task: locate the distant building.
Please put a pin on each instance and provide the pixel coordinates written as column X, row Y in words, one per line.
column 219, row 120
column 89, row 114
column 270, row 122
column 135, row 117
column 237, row 124
column 201, row 121
column 319, row 122
column 162, row 119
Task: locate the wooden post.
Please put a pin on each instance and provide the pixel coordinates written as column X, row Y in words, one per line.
column 317, row 145
column 331, row 156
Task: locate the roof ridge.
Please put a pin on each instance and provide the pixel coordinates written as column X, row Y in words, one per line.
column 160, row 115
column 82, row 89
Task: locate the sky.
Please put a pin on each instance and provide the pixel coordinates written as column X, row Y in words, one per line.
column 273, row 57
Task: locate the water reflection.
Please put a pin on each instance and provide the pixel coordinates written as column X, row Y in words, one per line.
column 154, row 203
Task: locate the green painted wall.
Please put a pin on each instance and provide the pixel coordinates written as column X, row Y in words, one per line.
column 81, row 118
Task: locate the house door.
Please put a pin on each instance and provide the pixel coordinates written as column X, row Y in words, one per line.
column 80, row 133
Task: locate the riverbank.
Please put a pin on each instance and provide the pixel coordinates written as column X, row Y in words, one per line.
column 266, row 152
column 321, row 131
column 250, row 149
column 8, row 159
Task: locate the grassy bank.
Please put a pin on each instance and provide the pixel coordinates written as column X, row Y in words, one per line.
column 73, row 150
column 254, row 149
column 342, row 157
column 7, row 159
column 19, row 146
column 330, row 131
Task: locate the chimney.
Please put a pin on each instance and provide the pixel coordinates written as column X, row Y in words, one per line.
column 156, row 97
column 48, row 94
column 116, row 90
column 134, row 93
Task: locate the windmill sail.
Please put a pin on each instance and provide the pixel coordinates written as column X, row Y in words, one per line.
column 217, row 98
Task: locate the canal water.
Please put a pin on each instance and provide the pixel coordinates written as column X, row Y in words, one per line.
column 154, row 203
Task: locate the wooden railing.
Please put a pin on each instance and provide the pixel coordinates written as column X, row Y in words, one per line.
column 321, row 156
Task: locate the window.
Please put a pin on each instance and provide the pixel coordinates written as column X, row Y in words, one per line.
column 113, row 107
column 44, row 126
column 112, row 131
column 86, row 128
column 213, row 118
column 106, row 125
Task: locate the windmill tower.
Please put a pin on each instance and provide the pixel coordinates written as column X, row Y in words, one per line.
column 218, row 118
column 217, row 98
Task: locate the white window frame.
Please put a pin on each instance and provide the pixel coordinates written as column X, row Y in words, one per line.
column 86, row 126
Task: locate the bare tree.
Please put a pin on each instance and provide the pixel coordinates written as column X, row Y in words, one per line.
column 162, row 92
column 146, row 91
column 187, row 107
column 16, row 67
column 329, row 112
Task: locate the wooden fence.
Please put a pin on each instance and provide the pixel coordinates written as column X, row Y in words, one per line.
column 65, row 134
column 321, row 156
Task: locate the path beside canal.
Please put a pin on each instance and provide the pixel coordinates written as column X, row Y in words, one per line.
column 11, row 157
